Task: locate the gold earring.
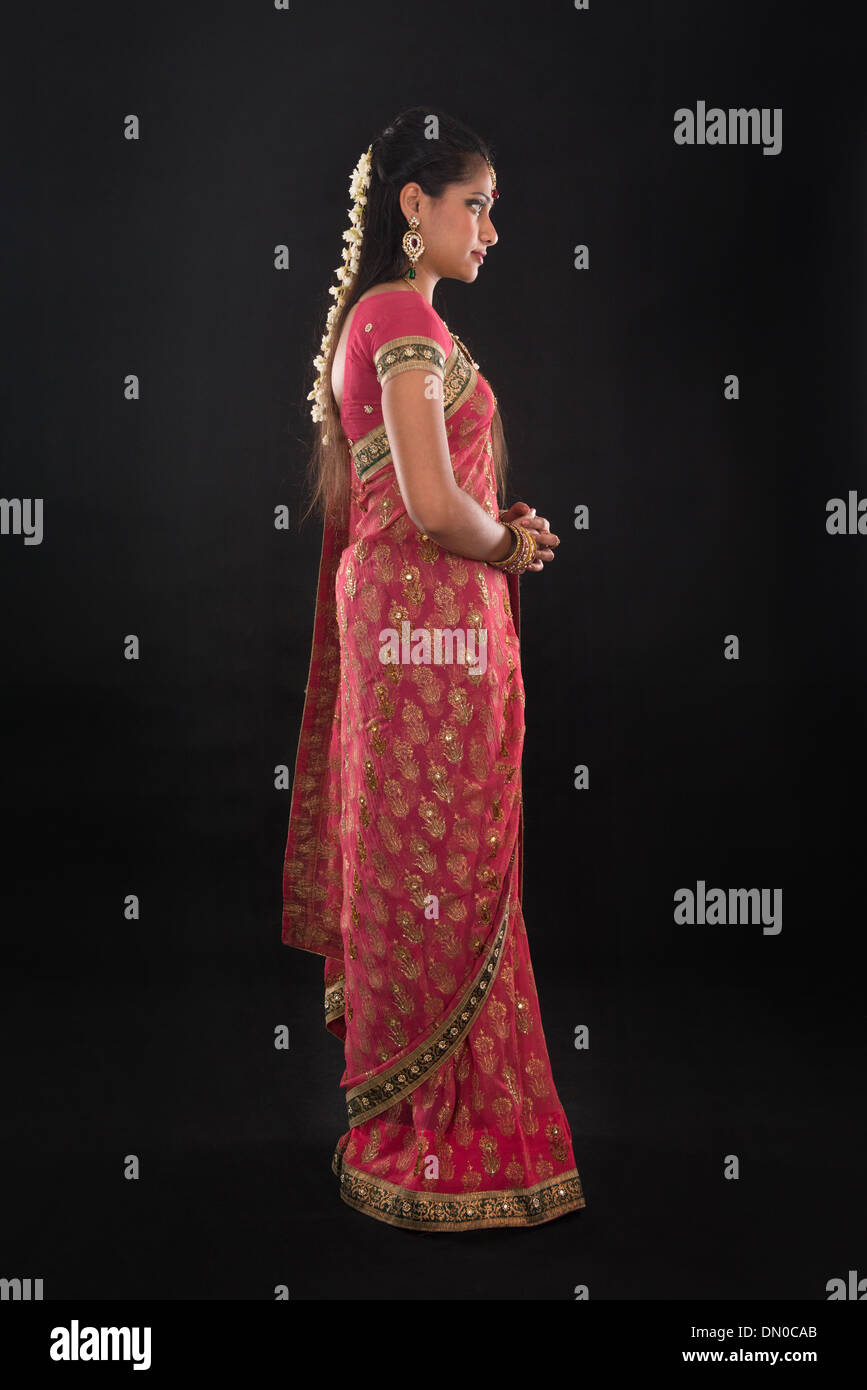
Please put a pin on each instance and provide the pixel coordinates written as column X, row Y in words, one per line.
column 413, row 245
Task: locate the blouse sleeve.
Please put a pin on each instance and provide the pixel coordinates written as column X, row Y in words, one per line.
column 404, row 333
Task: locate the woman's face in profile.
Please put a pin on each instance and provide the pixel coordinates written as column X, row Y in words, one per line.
column 457, row 227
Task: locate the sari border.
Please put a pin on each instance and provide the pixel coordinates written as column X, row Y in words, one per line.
column 458, row 1211
column 295, row 870
column 460, row 381
column 369, row 1098
column 335, row 1000
column 514, row 590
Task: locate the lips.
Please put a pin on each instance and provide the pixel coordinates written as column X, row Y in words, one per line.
column 480, row 254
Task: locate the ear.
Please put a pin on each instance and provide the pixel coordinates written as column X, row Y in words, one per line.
column 410, row 197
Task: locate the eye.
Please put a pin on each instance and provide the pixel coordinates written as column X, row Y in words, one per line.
column 477, row 203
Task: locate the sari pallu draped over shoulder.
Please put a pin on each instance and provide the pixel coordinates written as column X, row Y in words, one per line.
column 403, row 863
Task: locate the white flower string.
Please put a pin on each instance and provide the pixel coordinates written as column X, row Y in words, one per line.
column 358, row 186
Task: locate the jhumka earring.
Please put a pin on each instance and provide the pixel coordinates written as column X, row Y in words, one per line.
column 413, row 245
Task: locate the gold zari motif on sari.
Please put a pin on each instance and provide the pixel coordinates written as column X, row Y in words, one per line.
column 368, row 1099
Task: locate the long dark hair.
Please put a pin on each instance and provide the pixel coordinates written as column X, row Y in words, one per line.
column 400, row 155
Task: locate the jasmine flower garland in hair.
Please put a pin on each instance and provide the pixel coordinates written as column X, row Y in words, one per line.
column 358, row 186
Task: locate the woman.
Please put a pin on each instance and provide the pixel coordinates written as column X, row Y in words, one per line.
column 404, row 855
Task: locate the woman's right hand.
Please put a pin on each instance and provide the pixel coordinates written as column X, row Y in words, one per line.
column 523, row 514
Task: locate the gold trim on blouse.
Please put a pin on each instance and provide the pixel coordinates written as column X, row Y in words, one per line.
column 372, row 451
column 404, row 354
column 370, row 1097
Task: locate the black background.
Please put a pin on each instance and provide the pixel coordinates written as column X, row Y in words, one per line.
column 156, row 777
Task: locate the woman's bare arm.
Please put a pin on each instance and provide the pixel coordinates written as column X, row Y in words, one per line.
column 412, row 409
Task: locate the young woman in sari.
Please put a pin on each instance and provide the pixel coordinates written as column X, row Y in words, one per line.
column 403, row 863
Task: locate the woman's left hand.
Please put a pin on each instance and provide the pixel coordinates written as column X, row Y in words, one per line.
column 523, row 514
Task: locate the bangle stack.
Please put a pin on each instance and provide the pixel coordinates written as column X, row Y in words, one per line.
column 523, row 554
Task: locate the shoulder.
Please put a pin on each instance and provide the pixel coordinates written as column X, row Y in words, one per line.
column 402, row 331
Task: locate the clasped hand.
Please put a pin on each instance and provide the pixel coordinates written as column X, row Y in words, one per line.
column 523, row 514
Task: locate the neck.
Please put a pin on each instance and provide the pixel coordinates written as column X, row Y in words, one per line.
column 425, row 282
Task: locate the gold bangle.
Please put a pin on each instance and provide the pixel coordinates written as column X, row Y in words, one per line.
column 523, row 553
column 516, row 542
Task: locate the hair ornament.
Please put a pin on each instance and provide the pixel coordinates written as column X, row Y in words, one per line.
column 346, row 273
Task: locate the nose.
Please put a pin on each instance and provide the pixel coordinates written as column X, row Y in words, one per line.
column 490, row 237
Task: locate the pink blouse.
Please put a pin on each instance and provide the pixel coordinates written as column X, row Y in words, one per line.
column 383, row 321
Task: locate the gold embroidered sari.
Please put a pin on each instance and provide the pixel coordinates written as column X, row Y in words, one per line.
column 403, row 862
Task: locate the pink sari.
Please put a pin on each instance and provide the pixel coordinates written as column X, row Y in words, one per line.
column 403, row 860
